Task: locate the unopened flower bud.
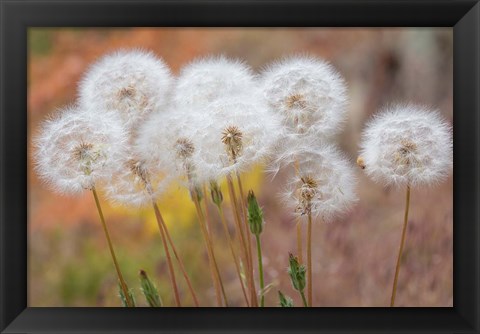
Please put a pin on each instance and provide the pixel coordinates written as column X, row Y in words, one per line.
column 297, row 273
column 216, row 193
column 196, row 191
column 285, row 301
column 149, row 290
column 255, row 214
column 125, row 301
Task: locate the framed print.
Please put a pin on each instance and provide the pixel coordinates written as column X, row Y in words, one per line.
column 190, row 166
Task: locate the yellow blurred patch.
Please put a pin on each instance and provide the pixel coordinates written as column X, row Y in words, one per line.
column 177, row 208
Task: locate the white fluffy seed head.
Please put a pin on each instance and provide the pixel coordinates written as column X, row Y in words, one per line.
column 323, row 184
column 309, row 95
column 135, row 83
column 407, row 145
column 77, row 148
column 165, row 142
column 235, row 133
column 206, row 79
column 288, row 150
column 230, row 134
column 135, row 181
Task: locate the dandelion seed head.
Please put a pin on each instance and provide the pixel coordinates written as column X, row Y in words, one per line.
column 407, row 145
column 134, row 83
column 206, row 79
column 75, row 149
column 308, row 94
column 322, row 185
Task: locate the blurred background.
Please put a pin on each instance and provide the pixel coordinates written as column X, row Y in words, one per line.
column 354, row 258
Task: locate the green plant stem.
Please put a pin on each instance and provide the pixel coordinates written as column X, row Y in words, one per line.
column 222, row 287
column 238, row 221
column 243, row 204
column 209, row 231
column 260, row 270
column 243, row 201
column 205, row 210
column 232, row 250
column 180, row 262
column 211, row 257
column 309, row 260
column 299, row 225
column 123, row 285
column 167, row 254
column 303, row 299
column 299, row 241
column 400, row 251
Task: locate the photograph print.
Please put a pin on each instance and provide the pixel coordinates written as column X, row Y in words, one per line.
column 240, row 167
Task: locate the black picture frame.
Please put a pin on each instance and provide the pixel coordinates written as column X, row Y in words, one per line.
column 18, row 15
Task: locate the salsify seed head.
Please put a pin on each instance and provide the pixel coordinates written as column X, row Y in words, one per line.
column 203, row 145
column 232, row 139
column 136, row 182
column 184, row 148
column 165, row 141
column 323, row 184
column 407, row 145
column 308, row 93
column 76, row 149
column 206, row 79
column 134, row 83
column 231, row 135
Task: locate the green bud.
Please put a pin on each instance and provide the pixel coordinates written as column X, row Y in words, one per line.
column 255, row 214
column 149, row 290
column 285, row 301
column 216, row 193
column 196, row 191
column 297, row 273
column 123, row 298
